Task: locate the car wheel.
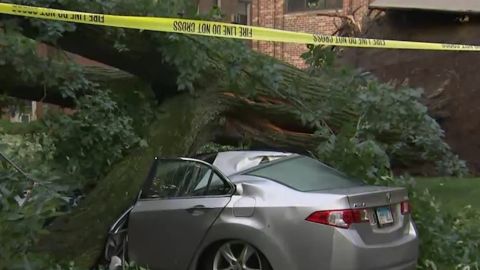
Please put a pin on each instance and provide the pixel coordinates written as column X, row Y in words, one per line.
column 235, row 255
column 116, row 250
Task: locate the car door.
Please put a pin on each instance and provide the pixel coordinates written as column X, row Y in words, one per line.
column 176, row 207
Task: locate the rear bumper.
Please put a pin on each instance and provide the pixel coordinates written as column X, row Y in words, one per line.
column 350, row 252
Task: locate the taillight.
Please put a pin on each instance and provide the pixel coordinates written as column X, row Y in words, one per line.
column 405, row 207
column 339, row 218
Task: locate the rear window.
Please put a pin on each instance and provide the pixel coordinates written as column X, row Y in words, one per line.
column 304, row 174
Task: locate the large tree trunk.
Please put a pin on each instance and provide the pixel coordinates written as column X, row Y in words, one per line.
column 80, row 235
column 143, row 58
column 106, row 77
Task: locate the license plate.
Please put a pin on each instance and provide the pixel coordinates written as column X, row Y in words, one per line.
column 384, row 215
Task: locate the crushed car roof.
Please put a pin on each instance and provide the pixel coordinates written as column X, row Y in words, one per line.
column 235, row 161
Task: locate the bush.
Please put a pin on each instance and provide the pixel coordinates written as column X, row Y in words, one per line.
column 447, row 240
column 87, row 142
column 27, row 199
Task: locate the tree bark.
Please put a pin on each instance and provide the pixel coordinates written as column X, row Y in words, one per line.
column 11, row 86
column 142, row 58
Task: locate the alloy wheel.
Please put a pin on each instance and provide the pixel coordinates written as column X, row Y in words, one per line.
column 116, row 250
column 237, row 255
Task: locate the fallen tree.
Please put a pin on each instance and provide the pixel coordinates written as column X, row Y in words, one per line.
column 211, row 90
column 446, row 77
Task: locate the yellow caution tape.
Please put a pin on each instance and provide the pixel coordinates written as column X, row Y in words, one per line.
column 223, row 30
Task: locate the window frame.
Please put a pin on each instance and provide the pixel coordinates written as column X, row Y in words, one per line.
column 157, row 162
column 306, row 9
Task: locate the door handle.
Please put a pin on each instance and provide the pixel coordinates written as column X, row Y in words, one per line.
column 197, row 208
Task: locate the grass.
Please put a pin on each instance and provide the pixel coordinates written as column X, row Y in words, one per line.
column 18, row 128
column 452, row 193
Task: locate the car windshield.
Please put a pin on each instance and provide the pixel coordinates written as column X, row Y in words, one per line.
column 304, row 174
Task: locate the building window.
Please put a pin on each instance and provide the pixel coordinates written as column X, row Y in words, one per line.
column 232, row 11
column 307, row 5
column 205, row 6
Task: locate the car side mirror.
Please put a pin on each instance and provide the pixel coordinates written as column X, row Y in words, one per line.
column 238, row 189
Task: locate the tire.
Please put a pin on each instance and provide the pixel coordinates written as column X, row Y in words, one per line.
column 115, row 252
column 234, row 255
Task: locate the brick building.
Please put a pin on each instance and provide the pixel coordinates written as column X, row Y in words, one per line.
column 309, row 16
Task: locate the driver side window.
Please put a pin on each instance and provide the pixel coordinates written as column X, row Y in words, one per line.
column 183, row 179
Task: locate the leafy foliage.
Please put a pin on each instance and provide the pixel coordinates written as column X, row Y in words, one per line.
column 26, row 200
column 391, row 121
column 99, row 130
column 95, row 136
column 18, row 56
column 64, row 153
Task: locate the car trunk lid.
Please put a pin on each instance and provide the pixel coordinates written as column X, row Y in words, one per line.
column 383, row 207
column 372, row 196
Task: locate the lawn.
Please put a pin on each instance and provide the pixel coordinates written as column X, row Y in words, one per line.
column 452, row 193
column 8, row 127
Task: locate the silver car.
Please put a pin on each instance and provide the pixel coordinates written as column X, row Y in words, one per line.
column 256, row 210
